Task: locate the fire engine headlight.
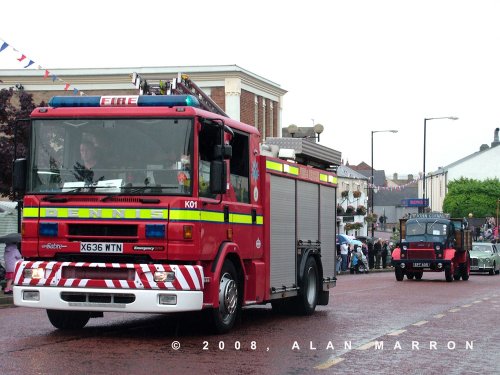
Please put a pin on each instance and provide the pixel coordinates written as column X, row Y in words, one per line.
column 440, row 265
column 405, row 248
column 164, row 276
column 403, row 265
column 167, row 299
column 33, row 273
column 438, row 247
column 31, row 295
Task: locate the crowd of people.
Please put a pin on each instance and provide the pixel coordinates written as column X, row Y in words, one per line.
column 352, row 256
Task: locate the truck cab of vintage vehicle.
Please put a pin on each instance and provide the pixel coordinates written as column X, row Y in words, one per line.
column 432, row 242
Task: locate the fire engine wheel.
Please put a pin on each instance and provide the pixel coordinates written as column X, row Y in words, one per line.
column 399, row 273
column 229, row 299
column 68, row 319
column 308, row 297
column 410, row 275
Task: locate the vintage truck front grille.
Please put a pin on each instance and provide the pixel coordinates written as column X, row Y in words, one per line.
column 421, row 254
column 474, row 262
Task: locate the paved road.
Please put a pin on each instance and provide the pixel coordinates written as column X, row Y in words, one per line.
column 411, row 318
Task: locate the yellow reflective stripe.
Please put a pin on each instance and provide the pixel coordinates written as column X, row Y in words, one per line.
column 332, row 179
column 291, row 169
column 240, row 219
column 137, row 214
column 99, row 213
column 217, row 217
column 30, row 212
column 191, row 215
column 323, row 177
column 272, row 165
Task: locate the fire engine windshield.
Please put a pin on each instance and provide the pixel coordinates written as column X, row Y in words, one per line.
column 426, row 230
column 101, row 156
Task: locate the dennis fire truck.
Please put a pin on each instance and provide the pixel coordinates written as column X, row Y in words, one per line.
column 432, row 242
column 177, row 211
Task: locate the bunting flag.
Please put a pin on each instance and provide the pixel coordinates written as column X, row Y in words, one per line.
column 394, row 188
column 46, row 73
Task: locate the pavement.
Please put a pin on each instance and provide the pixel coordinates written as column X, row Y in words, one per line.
column 6, row 300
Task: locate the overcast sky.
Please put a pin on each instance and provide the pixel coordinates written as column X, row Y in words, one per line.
column 353, row 66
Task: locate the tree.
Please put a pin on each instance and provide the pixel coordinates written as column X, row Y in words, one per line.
column 472, row 196
column 14, row 105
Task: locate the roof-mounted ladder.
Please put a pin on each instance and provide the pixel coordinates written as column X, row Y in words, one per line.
column 182, row 85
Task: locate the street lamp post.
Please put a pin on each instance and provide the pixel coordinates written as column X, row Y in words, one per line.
column 372, row 179
column 425, row 136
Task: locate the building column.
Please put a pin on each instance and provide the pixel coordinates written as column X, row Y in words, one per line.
column 233, row 98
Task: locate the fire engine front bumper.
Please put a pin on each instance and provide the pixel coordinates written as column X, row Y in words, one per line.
column 422, row 264
column 94, row 299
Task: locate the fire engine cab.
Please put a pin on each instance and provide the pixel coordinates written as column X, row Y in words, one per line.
column 152, row 204
column 432, row 242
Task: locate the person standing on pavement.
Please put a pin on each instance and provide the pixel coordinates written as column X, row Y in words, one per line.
column 385, row 252
column 371, row 255
column 377, row 248
column 344, row 251
column 11, row 256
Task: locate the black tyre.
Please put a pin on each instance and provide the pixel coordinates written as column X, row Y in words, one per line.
column 68, row 319
column 309, row 288
column 418, row 275
column 224, row 316
column 399, row 273
column 410, row 275
column 465, row 270
column 456, row 276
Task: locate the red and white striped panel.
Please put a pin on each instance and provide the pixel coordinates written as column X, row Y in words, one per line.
column 186, row 277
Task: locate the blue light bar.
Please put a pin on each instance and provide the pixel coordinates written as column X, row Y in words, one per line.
column 125, row 101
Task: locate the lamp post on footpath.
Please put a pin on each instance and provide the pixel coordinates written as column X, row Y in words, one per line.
column 425, row 135
column 372, row 179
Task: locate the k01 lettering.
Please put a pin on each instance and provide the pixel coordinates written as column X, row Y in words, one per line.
column 101, row 247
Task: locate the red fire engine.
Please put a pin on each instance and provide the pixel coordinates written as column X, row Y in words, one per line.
column 173, row 209
column 432, row 242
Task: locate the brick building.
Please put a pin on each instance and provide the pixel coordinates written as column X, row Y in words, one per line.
column 243, row 95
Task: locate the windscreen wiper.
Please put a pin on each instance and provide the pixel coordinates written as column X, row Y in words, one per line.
column 134, row 190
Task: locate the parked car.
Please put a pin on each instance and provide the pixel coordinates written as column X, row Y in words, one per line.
column 485, row 257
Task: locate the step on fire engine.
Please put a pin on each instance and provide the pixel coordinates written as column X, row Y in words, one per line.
column 432, row 242
column 149, row 203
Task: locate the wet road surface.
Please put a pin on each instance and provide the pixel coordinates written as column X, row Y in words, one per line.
column 373, row 325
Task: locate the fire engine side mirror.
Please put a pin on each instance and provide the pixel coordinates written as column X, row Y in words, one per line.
column 218, row 177
column 19, row 175
column 223, row 152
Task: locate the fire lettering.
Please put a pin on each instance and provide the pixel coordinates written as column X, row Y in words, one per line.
column 119, row 101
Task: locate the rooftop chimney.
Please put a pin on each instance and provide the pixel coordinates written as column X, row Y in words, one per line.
column 495, row 142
